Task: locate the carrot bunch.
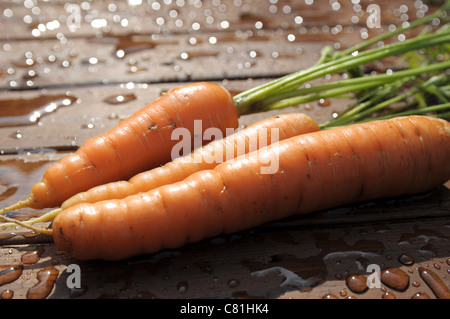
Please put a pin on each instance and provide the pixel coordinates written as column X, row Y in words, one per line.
column 144, row 141
column 125, row 182
column 318, row 170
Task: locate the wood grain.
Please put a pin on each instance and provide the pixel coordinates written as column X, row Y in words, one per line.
column 140, row 51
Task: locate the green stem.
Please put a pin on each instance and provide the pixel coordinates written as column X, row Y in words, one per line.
column 244, row 101
column 321, row 95
column 424, row 110
column 362, row 111
column 429, row 110
column 295, row 97
column 240, row 98
column 347, row 62
column 348, row 115
column 354, row 116
column 442, row 115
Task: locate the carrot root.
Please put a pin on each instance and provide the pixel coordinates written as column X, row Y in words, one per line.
column 12, row 221
column 20, row 204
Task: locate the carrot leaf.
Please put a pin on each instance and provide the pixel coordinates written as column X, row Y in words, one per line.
column 425, row 56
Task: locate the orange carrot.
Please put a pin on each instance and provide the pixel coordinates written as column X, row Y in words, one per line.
column 209, row 156
column 316, row 171
column 141, row 142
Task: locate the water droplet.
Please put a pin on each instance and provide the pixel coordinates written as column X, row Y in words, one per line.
column 17, row 134
column 31, row 74
column 113, row 116
column 120, row 98
column 197, row 54
column 7, row 294
column 357, row 283
column 233, row 283
column 253, row 54
column 87, row 126
column 324, row 102
column 420, row 295
column 15, row 112
column 182, row 287
column 31, row 234
column 388, row 295
column 32, row 257
column 6, row 236
column 46, row 277
column 395, row 278
column 433, row 281
column 406, row 259
column 330, row 296
column 9, row 273
column 135, row 69
column 130, row 43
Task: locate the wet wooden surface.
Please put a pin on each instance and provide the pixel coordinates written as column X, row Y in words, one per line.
column 139, row 50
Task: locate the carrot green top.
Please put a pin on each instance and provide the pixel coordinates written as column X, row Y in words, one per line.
column 287, row 91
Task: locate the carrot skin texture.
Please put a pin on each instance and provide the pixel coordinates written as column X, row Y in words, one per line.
column 239, row 143
column 141, row 142
column 316, row 171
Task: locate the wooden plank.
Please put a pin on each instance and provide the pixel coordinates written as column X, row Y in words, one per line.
column 119, row 54
column 214, row 56
column 302, row 262
column 48, row 19
column 301, row 257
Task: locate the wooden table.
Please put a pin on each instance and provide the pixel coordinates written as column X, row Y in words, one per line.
column 80, row 55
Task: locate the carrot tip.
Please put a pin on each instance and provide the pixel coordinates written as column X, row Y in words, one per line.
column 20, row 204
column 26, row 225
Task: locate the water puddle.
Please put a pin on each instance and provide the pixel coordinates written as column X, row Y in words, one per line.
column 10, row 273
column 130, row 43
column 21, row 111
column 46, row 280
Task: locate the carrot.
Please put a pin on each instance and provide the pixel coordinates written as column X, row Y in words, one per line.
column 141, row 142
column 249, row 139
column 316, row 171
column 209, row 156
